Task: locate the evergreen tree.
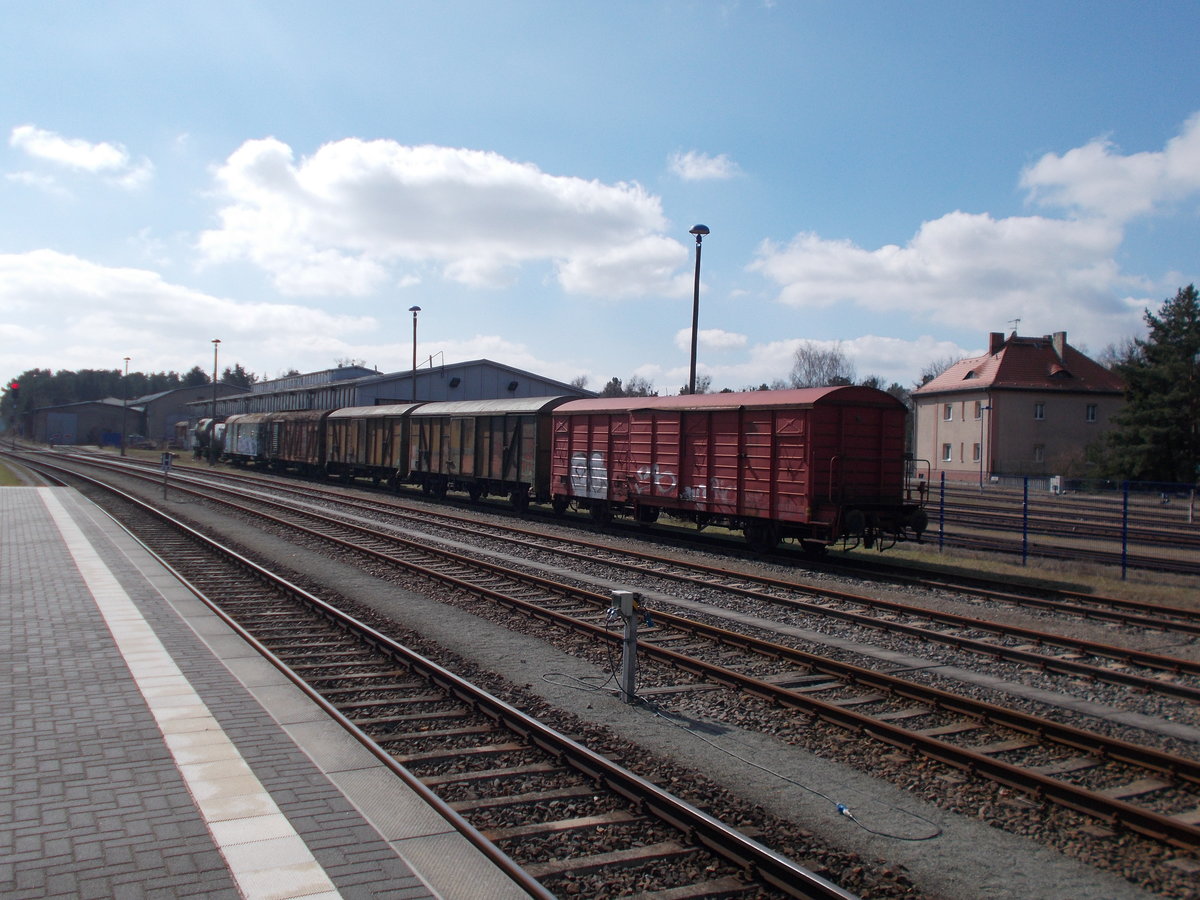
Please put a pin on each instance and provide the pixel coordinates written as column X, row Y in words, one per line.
column 239, row 376
column 195, row 377
column 1157, row 434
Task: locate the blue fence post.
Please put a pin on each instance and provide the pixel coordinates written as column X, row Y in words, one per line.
column 1025, row 524
column 942, row 514
column 1124, row 529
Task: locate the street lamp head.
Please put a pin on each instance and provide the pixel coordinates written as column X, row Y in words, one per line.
column 414, row 309
column 699, row 231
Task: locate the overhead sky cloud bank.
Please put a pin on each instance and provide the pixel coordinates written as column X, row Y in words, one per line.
column 531, row 188
column 356, row 213
column 966, row 268
column 65, row 307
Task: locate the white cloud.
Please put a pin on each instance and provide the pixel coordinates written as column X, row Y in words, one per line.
column 40, row 182
column 84, row 315
column 697, row 166
column 1095, row 180
column 341, row 220
column 713, row 339
column 103, row 158
column 970, row 271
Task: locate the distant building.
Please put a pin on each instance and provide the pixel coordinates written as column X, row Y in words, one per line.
column 1029, row 407
column 99, row 422
column 345, row 386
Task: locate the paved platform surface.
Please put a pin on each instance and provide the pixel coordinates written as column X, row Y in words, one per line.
column 146, row 751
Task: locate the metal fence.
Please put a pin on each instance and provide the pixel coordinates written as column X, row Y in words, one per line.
column 1142, row 525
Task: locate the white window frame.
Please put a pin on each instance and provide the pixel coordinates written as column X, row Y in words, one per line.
column 1090, row 412
column 1039, row 411
column 947, row 453
column 947, row 412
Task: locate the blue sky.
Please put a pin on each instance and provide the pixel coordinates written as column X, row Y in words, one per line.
column 897, row 179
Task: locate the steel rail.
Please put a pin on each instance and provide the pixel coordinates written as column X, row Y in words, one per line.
column 1158, row 826
column 767, row 865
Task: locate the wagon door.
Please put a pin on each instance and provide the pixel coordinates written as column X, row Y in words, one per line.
column 655, row 442
column 711, row 464
column 790, row 471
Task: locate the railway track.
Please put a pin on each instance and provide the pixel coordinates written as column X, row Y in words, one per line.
column 570, row 821
column 1148, row 791
column 1148, row 672
column 1088, row 606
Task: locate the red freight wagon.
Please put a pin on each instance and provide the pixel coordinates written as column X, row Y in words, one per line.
column 815, row 464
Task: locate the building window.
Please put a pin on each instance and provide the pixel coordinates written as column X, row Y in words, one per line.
column 975, row 453
column 1091, row 412
column 947, row 453
column 947, row 412
column 1039, row 411
column 1039, row 453
column 978, row 409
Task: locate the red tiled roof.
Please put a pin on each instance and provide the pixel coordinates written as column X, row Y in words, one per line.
column 1027, row 364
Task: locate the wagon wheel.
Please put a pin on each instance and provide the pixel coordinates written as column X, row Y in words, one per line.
column 646, row 515
column 520, row 499
column 560, row 504
column 601, row 512
column 475, row 491
column 761, row 536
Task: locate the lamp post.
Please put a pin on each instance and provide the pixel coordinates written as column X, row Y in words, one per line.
column 982, row 414
column 212, row 425
column 125, row 406
column 414, row 310
column 699, row 231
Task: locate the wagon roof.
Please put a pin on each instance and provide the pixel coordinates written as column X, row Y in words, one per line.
column 245, row 418
column 296, row 415
column 373, row 412
column 847, row 395
column 515, row 406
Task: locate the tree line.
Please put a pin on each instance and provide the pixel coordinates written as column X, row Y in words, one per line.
column 43, row 387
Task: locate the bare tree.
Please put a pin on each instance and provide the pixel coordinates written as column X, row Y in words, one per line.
column 637, row 386
column 579, row 382
column 935, row 368
column 1121, row 353
column 817, row 366
column 703, row 385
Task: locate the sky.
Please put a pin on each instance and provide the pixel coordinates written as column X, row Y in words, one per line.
column 892, row 179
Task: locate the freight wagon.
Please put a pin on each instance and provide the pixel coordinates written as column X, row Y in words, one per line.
column 484, row 447
column 816, row 464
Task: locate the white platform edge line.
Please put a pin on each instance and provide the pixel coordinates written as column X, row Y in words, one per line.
column 182, row 716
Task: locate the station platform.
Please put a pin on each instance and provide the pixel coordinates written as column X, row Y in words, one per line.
column 147, row 751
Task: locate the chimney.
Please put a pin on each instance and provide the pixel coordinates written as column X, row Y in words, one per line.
column 1060, row 345
column 995, row 342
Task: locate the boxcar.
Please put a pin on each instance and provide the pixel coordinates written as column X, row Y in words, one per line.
column 368, row 442
column 295, row 440
column 483, row 447
column 815, row 464
column 245, row 438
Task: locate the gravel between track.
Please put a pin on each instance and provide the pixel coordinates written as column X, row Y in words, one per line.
column 887, row 853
